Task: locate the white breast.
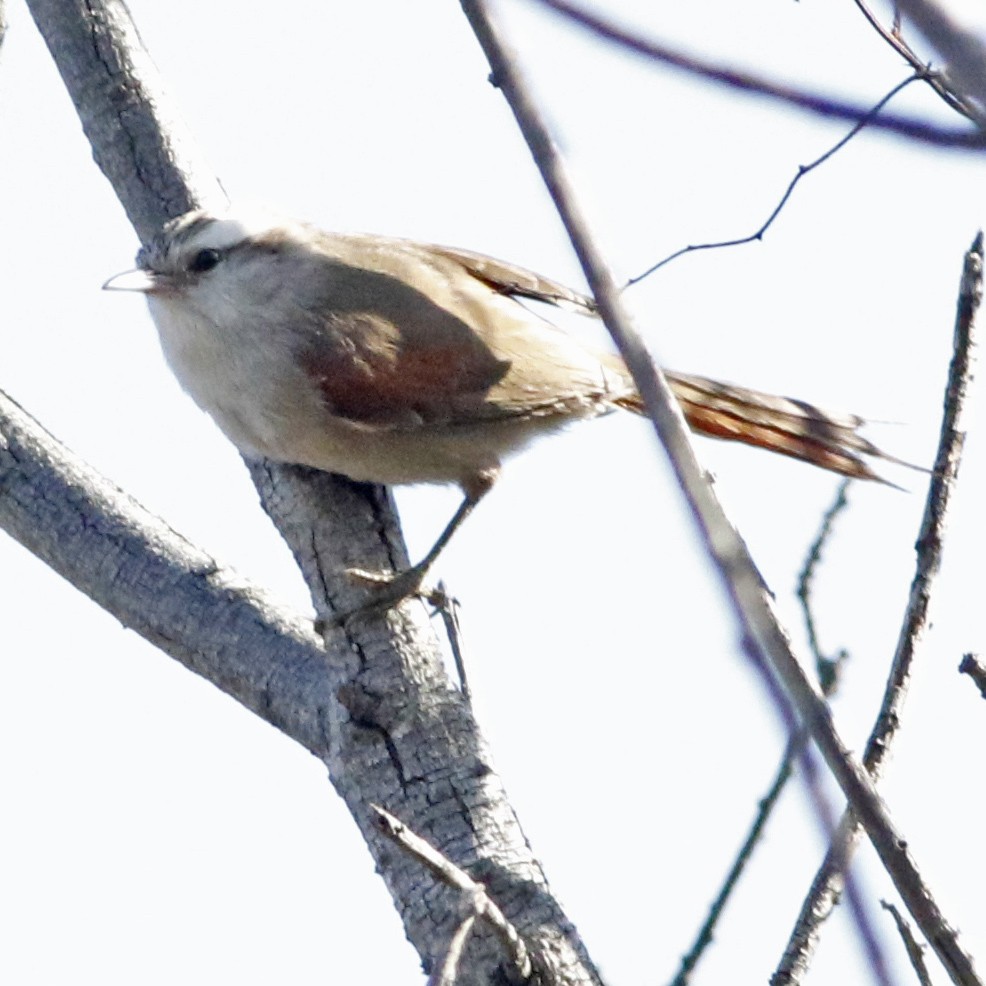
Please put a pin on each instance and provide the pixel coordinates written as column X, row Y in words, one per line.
column 231, row 372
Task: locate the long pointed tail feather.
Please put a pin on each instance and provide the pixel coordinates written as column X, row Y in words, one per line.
column 778, row 424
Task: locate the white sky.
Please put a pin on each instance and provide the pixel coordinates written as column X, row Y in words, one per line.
column 154, row 831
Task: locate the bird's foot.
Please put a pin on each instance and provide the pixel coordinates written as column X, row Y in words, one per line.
column 387, row 590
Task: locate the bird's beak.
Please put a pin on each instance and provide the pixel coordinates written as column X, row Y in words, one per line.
column 135, row 280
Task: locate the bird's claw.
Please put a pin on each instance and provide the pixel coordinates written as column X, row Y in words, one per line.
column 388, row 589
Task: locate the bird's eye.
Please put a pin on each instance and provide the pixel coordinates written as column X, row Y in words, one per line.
column 203, row 260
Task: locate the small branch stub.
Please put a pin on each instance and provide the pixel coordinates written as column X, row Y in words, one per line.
column 476, row 903
column 975, row 668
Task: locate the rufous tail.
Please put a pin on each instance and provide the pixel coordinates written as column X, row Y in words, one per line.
column 779, row 424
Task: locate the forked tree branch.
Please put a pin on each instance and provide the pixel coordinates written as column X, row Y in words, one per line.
column 152, row 580
column 478, row 902
column 752, row 601
column 384, row 700
column 377, row 706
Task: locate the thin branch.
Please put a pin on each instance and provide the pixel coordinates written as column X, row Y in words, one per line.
column 892, row 36
column 963, row 51
column 448, row 971
column 706, row 933
column 750, row 82
column 803, row 170
column 827, row 884
column 915, row 952
column 454, row 876
column 821, row 807
column 448, row 608
column 975, row 669
column 752, row 603
column 826, row 667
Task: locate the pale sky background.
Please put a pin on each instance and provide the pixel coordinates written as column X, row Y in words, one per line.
column 153, row 831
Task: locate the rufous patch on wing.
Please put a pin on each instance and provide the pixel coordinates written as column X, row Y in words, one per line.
column 387, row 378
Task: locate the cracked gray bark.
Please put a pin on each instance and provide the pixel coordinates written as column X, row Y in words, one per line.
column 380, row 710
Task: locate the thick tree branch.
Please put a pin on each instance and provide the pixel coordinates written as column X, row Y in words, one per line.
column 137, row 137
column 479, row 902
column 752, row 601
column 154, row 582
column 384, row 717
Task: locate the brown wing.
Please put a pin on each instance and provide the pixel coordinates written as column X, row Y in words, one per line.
column 423, row 335
column 413, row 342
column 514, row 281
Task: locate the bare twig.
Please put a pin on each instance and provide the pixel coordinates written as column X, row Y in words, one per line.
column 453, row 876
column 827, row 884
column 448, row 608
column 975, row 669
column 915, row 951
column 937, row 82
column 752, row 603
column 963, row 51
column 821, row 807
column 827, row 675
column 803, row 170
column 706, row 933
column 448, row 970
column 808, row 100
column 826, row 667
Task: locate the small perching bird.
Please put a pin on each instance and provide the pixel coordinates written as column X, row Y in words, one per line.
column 391, row 361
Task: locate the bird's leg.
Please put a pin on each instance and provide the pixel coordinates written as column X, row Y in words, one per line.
column 391, row 588
column 407, row 583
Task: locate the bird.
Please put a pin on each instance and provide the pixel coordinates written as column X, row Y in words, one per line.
column 393, row 361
